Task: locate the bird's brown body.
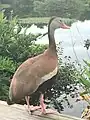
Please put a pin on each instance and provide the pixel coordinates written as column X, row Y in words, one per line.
column 35, row 71
column 31, row 74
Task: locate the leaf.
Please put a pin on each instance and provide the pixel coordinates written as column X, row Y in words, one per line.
column 7, row 64
column 1, row 16
column 87, row 72
column 87, row 63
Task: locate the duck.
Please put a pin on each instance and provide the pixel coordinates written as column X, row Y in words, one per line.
column 36, row 70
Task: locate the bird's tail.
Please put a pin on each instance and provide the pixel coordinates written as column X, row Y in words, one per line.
column 9, row 98
column 9, row 102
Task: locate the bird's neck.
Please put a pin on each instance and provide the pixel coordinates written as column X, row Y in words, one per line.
column 52, row 44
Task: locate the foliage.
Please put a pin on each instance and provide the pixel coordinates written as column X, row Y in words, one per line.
column 84, row 80
column 7, row 64
column 14, row 45
column 87, row 44
column 84, row 77
column 86, row 12
column 62, row 8
column 24, row 6
column 7, row 68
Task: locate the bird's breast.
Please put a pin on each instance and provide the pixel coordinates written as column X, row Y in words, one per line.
column 49, row 75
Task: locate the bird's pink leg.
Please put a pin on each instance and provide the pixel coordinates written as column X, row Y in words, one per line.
column 27, row 101
column 42, row 104
column 31, row 108
column 43, row 107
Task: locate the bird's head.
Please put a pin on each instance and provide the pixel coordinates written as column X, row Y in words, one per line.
column 56, row 22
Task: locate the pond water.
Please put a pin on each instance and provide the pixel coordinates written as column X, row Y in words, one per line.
column 76, row 35
column 75, row 108
column 73, row 37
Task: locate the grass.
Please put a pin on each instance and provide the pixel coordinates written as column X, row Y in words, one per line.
column 4, row 6
column 35, row 20
column 42, row 20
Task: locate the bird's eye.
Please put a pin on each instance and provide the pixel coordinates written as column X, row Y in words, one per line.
column 60, row 20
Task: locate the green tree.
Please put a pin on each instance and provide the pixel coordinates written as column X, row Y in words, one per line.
column 62, row 8
column 20, row 7
column 23, row 7
column 86, row 13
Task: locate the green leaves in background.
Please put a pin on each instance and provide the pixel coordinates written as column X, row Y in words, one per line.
column 7, row 64
column 84, row 77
